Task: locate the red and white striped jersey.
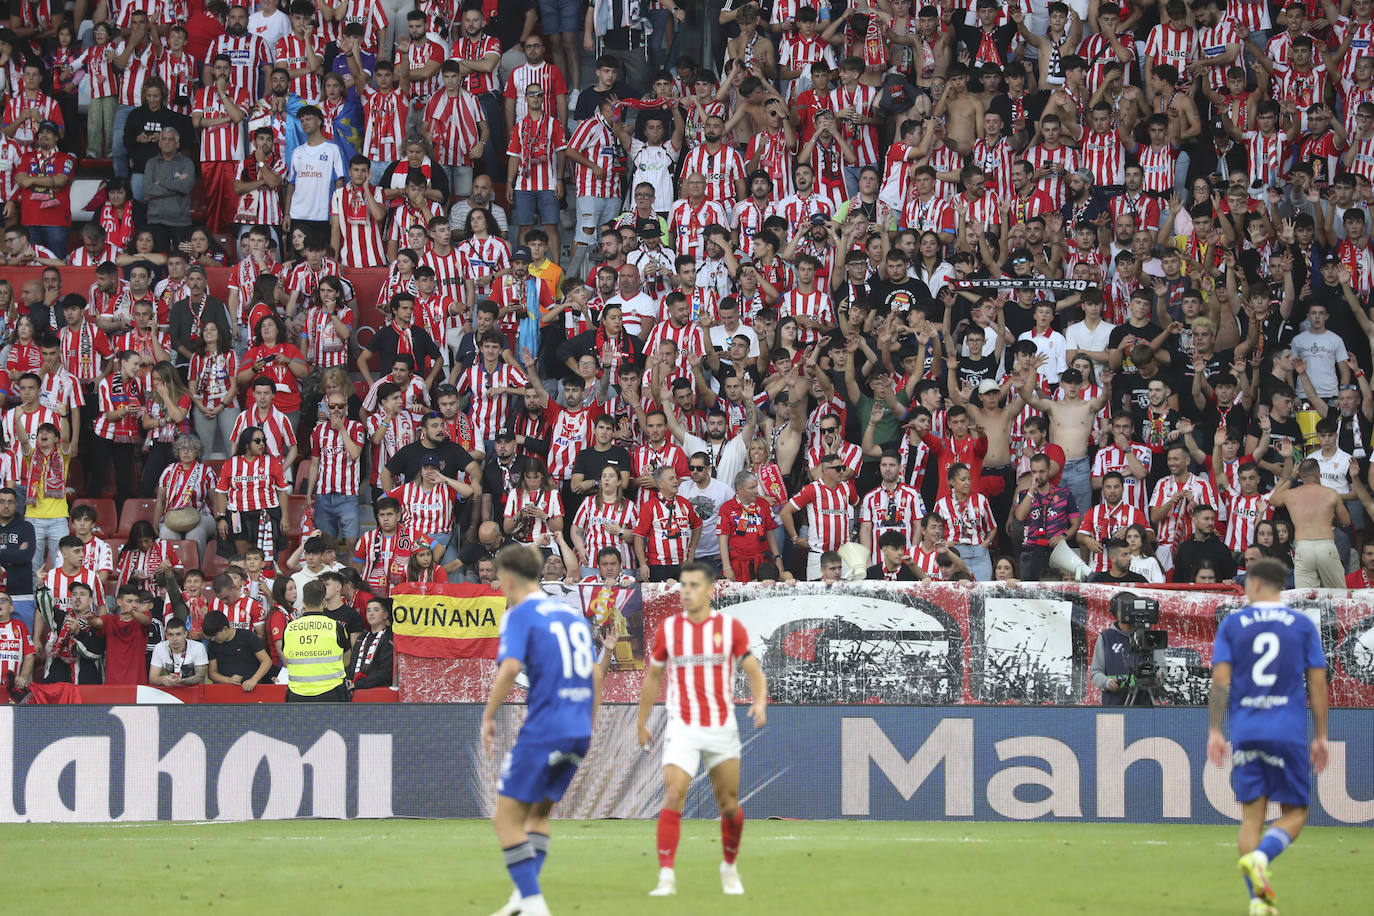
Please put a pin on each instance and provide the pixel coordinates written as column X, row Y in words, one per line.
column 83, row 258
column 688, row 223
column 405, row 216
column 84, row 351
column 1245, row 514
column 98, row 557
column 304, row 279
column 1056, row 186
column 1098, row 53
column 690, row 339
column 19, row 424
column 223, row 142
column 748, row 218
column 187, row 488
column 61, row 388
column 1036, row 203
column 141, row 63
column 1362, row 45
column 15, row 645
column 337, row 472
column 434, row 314
column 1105, row 156
column 798, row 210
column 797, row 52
column 144, row 564
column 945, row 159
column 418, row 55
column 384, row 559
column 1352, row 96
column 570, row 431
column 543, row 74
column 995, row 159
column 985, row 210
column 211, row 375
column 815, row 304
column 489, row 412
column 595, row 140
column 594, row 519
column 1158, row 166
column 1177, row 526
column 1111, row 458
column 243, row 614
column 116, row 392
column 1266, row 155
column 829, row 514
column 247, row 55
column 1168, row 45
column 385, row 118
column 666, row 527
column 932, row 215
column 534, row 144
column 1360, row 260
column 370, row 15
column 448, row 269
column 1145, row 210
column 703, row 655
column 482, row 257
column 101, row 75
column 425, row 513
column 862, row 137
column 275, row 425
column 1252, row 14
column 291, row 55
column 324, row 346
column 1102, row 522
column 475, row 49
column 1212, row 42
column 261, row 206
column 898, row 509
column 413, row 394
column 721, row 169
column 928, row 561
column 401, row 430
column 1304, row 88
column 772, row 153
column 850, row 455
column 532, row 529
column 453, row 122
column 1363, row 163
column 967, row 522
column 251, row 484
column 360, row 235
column 26, row 135
column 645, row 459
column 158, row 13
column 60, row 585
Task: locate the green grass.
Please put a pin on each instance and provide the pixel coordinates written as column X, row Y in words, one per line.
column 607, row 867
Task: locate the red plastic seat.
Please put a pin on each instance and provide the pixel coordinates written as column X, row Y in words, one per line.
column 136, row 510
column 296, row 505
column 106, row 518
column 188, row 554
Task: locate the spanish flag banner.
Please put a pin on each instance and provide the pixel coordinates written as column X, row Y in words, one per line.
column 446, row 621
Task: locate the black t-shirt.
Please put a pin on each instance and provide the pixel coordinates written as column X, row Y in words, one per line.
column 238, row 656
column 475, row 551
column 347, row 615
column 973, row 371
column 901, row 297
column 508, row 22
column 590, row 462
column 1142, row 335
column 1033, row 103
column 1109, row 576
column 1018, row 320
column 1279, row 431
column 1180, row 348
column 1131, row 392
column 876, row 573
column 497, row 481
column 406, row 462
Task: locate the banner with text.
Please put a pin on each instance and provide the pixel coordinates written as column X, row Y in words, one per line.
column 446, row 621
column 947, row 643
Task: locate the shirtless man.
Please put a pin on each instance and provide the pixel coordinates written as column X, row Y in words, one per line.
column 993, row 418
column 1071, row 423
column 962, row 111
column 1315, row 511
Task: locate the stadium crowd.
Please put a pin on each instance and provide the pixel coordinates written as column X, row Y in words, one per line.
column 879, row 290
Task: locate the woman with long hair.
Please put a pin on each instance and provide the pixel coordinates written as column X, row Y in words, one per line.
column 142, row 247
column 931, row 267
column 248, row 496
column 166, row 416
column 214, row 391
column 370, row 664
column 283, row 611
column 533, row 511
column 201, row 248
column 483, row 252
column 400, row 279
column 1004, row 570
column 1141, row 543
column 118, row 424
column 786, row 350
column 605, row 520
column 271, row 355
column 262, row 301
column 422, row 567
column 144, row 558
column 772, row 482
column 184, row 491
column 24, row 353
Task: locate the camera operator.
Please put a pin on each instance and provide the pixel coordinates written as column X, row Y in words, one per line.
column 1114, row 662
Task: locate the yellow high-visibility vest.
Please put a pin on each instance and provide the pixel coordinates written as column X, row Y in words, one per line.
column 314, row 660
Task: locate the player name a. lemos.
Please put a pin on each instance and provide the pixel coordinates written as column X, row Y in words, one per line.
column 1266, row 615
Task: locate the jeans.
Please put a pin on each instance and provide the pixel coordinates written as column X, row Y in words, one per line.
column 1034, row 562
column 494, row 158
column 336, row 515
column 155, row 461
column 54, row 237
column 977, row 559
column 118, row 151
column 136, row 185
column 223, row 423
column 1077, row 479
column 47, row 532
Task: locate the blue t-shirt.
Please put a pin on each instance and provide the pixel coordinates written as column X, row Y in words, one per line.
column 554, row 644
column 1270, row 646
column 340, row 66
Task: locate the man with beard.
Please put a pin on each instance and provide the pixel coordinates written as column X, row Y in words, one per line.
column 246, row 52
column 896, row 291
column 501, row 473
column 1027, row 199
column 721, row 166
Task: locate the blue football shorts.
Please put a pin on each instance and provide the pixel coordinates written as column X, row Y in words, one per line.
column 537, row 770
column 1277, row 770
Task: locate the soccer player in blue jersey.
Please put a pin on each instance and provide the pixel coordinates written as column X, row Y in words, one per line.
column 1266, row 666
column 553, row 643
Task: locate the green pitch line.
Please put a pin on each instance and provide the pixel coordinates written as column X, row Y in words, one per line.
column 605, row 867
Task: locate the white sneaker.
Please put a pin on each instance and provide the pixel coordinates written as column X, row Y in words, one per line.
column 534, row 906
column 512, row 906
column 667, row 884
column 729, row 879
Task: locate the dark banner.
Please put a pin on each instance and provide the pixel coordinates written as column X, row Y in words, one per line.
column 949, row 643
column 143, row 763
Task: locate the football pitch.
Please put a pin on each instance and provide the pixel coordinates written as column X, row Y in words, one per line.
column 788, row 867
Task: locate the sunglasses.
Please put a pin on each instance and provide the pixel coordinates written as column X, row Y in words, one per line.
column 696, row 467
column 830, row 429
column 258, row 441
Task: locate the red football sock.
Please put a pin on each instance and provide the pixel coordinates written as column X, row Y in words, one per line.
column 669, row 827
column 730, row 830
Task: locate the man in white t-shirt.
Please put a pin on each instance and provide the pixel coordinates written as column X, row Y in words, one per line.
column 1091, row 335
column 177, row 661
column 269, row 23
column 707, row 495
column 1049, row 343
column 637, row 308
column 1323, row 351
column 729, row 327
column 316, row 170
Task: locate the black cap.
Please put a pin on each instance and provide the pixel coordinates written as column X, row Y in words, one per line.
column 504, row 433
column 649, row 228
column 521, row 253
column 1331, row 258
column 1218, row 127
column 431, row 460
column 1072, row 376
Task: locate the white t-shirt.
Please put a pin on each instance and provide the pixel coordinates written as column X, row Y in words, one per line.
column 304, row 575
column 720, row 338
column 1055, row 350
column 1078, row 337
column 269, row 29
column 1335, row 471
column 312, row 174
column 193, row 655
column 1322, row 352
column 655, row 164
column 637, row 313
column 707, row 503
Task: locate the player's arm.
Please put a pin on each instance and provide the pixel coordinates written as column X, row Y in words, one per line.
column 1317, row 699
column 506, row 673
column 648, row 695
column 758, row 690
column 1216, row 710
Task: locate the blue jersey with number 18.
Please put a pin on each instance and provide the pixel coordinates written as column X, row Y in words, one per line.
column 554, row 644
column 1270, row 646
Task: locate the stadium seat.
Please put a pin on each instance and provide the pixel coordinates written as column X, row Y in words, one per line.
column 361, row 388
column 212, row 564
column 296, row 504
column 188, row 554
column 214, row 464
column 106, row 518
column 116, row 545
column 136, row 510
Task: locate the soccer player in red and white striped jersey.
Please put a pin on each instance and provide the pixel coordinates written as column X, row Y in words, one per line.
column 829, row 515
column 1108, row 519
column 808, row 304
column 246, row 52
column 1245, row 510
column 667, row 529
column 703, row 647
column 356, row 213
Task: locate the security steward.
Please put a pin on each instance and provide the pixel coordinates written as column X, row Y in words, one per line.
column 315, row 650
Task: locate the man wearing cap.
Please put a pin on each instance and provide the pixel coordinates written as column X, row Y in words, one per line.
column 168, row 179
column 316, row 170
column 1083, row 204
column 520, row 295
column 44, row 178
column 655, row 262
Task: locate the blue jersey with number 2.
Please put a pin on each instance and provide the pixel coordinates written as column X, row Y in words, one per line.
column 1270, row 646
column 554, row 644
